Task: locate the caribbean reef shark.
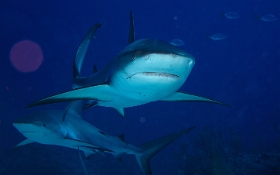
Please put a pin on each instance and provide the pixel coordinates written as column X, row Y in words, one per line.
column 147, row 70
column 46, row 127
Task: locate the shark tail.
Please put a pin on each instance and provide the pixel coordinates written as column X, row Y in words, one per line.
column 81, row 52
column 148, row 150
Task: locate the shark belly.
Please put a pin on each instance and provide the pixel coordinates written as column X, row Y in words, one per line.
column 121, row 102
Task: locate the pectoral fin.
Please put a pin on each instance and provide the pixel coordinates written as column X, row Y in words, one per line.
column 120, row 111
column 180, row 96
column 100, row 93
column 25, row 142
column 88, row 154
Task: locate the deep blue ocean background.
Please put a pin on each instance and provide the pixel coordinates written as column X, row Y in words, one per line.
column 243, row 71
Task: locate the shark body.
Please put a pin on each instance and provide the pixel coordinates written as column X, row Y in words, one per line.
column 47, row 127
column 147, row 70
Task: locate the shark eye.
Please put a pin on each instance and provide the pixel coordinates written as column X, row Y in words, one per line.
column 133, row 56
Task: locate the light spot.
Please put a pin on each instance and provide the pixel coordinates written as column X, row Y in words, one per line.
column 142, row 119
column 26, row 56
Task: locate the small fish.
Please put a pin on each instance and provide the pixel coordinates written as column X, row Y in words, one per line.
column 217, row 36
column 177, row 42
column 267, row 18
column 231, row 15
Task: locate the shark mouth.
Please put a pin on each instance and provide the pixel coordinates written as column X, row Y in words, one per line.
column 155, row 74
column 30, row 132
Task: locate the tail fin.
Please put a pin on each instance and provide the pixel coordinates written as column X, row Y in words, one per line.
column 153, row 147
column 80, row 55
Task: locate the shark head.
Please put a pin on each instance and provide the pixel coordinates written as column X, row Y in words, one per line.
column 41, row 127
column 149, row 64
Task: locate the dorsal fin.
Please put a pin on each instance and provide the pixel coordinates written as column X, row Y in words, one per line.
column 120, row 111
column 74, row 107
column 131, row 35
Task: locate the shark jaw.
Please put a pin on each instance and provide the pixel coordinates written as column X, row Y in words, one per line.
column 161, row 66
column 154, row 75
column 154, row 58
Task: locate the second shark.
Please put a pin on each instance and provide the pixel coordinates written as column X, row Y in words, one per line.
column 47, row 127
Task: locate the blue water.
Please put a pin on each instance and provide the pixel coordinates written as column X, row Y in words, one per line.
column 242, row 70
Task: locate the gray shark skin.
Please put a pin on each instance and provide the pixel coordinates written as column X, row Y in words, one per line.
column 147, row 70
column 46, row 127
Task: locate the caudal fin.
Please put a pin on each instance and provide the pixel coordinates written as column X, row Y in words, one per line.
column 153, row 147
column 81, row 52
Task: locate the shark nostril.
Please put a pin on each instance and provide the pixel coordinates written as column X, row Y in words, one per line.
column 133, row 56
column 148, row 57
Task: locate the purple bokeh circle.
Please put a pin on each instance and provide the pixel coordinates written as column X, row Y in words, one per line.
column 26, row 56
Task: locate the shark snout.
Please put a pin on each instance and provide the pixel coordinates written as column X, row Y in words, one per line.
column 16, row 125
column 27, row 128
column 23, row 127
